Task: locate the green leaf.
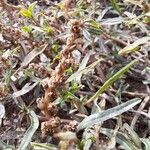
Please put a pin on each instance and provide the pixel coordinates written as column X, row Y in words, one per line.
column 107, row 114
column 95, row 24
column 146, row 19
column 94, row 28
column 8, row 76
column 32, row 6
column 134, row 46
column 57, row 57
column 31, row 130
column 115, row 5
column 26, row 13
column 111, row 80
column 48, row 29
column 55, row 47
column 26, row 29
column 94, row 31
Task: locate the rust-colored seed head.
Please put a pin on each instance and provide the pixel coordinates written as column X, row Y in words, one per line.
column 52, row 126
column 51, row 84
column 52, row 109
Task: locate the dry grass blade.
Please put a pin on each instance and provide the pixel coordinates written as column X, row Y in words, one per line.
column 143, row 104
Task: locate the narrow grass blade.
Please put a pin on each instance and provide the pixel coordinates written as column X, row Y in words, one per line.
column 121, row 138
column 115, row 5
column 2, row 111
column 88, row 141
column 43, row 146
column 31, row 130
column 83, row 71
column 107, row 114
column 27, row 88
column 35, row 52
column 133, row 135
column 134, row 46
column 83, row 64
column 4, row 146
column 111, row 80
column 146, row 143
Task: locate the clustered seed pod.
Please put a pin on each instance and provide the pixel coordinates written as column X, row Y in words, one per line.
column 50, row 84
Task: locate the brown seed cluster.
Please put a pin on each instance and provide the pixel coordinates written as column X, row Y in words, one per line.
column 51, row 126
column 50, row 84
